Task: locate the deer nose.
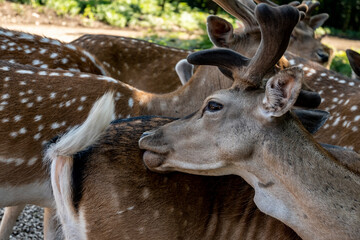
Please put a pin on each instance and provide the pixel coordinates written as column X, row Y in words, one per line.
column 148, row 133
column 324, row 57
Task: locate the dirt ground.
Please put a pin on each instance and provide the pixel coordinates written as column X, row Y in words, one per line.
column 43, row 21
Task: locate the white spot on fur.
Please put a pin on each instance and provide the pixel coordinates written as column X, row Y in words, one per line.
column 32, row 161
column 17, row 118
column 131, row 102
column 54, row 74
column 37, row 118
column 5, row 68
column 68, row 74
column 52, row 95
column 45, row 66
column 37, row 136
column 353, row 108
column 55, row 125
column 25, row 72
column 42, row 50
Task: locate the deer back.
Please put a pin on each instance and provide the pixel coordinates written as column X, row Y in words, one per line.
column 46, row 53
column 144, row 65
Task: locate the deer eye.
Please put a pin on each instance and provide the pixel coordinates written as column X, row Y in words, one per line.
column 213, row 106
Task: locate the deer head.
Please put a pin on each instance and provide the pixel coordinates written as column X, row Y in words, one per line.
column 302, row 42
column 250, row 132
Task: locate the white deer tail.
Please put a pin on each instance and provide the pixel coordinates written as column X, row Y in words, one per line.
column 59, row 155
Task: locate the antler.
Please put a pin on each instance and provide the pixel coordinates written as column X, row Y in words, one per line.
column 241, row 9
column 276, row 25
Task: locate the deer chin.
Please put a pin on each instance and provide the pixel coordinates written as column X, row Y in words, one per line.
column 153, row 160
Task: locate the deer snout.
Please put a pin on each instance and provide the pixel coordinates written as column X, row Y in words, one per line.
column 156, row 149
column 323, row 56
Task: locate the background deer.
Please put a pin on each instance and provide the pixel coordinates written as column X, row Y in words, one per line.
column 46, row 53
column 338, row 92
column 111, row 180
column 131, row 59
column 117, row 53
column 294, row 178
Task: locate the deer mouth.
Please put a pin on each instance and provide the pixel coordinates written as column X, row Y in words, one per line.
column 153, row 160
column 155, row 152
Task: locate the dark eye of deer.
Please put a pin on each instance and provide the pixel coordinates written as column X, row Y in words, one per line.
column 213, row 106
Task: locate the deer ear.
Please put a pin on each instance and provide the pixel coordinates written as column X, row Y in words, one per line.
column 312, row 120
column 354, row 60
column 318, row 20
column 184, row 70
column 220, row 31
column 282, row 91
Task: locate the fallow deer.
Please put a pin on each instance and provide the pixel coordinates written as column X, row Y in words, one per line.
column 303, row 41
column 338, row 93
column 178, row 103
column 107, row 192
column 248, row 131
column 354, row 60
column 130, row 59
column 117, row 53
column 46, row 53
column 34, row 100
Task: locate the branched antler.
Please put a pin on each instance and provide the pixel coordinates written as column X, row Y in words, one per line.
column 276, row 25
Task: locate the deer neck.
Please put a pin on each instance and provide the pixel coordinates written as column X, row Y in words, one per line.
column 300, row 184
column 186, row 99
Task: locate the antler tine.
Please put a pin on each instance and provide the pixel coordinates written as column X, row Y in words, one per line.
column 311, row 6
column 241, row 9
column 276, row 25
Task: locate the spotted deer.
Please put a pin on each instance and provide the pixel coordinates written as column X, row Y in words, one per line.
column 354, row 60
column 338, row 93
column 29, row 93
column 303, row 41
column 130, row 59
column 248, row 131
column 46, row 53
column 118, row 53
column 107, row 192
column 31, row 83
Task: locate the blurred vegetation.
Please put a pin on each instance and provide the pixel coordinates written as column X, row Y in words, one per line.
column 178, row 18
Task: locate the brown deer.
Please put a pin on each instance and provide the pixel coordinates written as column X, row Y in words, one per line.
column 248, row 131
column 130, row 59
column 46, row 53
column 35, row 99
column 117, row 53
column 303, row 41
column 338, row 93
column 354, row 60
column 102, row 189
column 339, row 97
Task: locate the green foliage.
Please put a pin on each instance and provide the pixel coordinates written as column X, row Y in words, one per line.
column 340, row 64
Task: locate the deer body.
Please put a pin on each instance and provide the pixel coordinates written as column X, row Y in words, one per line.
column 339, row 97
column 113, row 196
column 33, row 102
